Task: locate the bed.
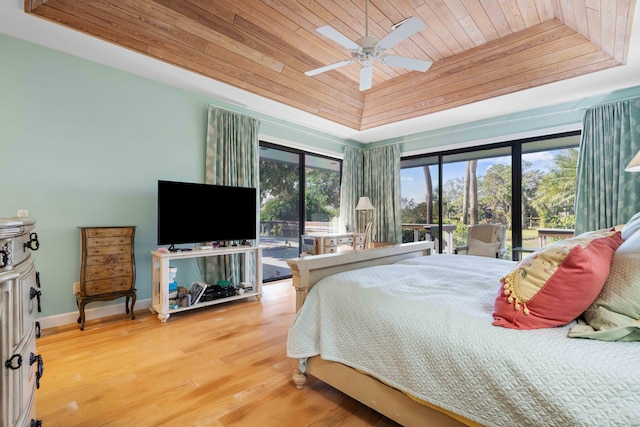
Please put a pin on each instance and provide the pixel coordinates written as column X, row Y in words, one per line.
column 410, row 334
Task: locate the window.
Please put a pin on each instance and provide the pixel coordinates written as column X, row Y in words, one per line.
column 548, row 191
column 526, row 185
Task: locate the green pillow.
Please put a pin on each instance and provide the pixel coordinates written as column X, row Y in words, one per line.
column 615, row 314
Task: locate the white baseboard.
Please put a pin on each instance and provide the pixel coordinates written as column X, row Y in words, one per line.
column 89, row 314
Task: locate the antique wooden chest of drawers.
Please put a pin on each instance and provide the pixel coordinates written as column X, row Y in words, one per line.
column 108, row 269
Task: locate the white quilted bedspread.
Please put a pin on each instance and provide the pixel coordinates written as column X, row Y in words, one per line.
column 424, row 327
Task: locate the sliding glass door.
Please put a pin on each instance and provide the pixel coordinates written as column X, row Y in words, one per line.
column 526, row 185
column 420, row 184
column 477, row 190
column 321, row 194
column 299, row 193
column 548, row 191
column 279, row 210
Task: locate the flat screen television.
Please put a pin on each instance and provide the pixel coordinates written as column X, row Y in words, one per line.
column 203, row 213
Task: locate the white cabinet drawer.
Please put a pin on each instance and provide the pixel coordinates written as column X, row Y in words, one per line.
column 329, row 241
column 332, row 243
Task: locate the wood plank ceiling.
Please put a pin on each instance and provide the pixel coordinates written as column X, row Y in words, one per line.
column 480, row 48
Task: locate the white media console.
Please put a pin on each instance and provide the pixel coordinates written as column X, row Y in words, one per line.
column 160, row 277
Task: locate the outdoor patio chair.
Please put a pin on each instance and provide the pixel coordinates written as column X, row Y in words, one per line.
column 485, row 240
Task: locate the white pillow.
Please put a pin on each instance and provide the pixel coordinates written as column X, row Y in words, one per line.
column 480, row 248
column 631, row 226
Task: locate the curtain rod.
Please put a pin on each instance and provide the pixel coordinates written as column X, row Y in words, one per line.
column 608, row 103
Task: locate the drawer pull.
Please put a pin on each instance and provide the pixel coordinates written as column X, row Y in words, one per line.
column 6, row 256
column 32, row 243
column 37, row 329
column 14, row 362
column 36, row 423
column 33, row 358
column 34, row 293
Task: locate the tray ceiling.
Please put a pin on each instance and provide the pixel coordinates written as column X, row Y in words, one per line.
column 480, row 49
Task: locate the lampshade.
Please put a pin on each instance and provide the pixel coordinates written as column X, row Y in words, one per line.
column 633, row 166
column 364, row 204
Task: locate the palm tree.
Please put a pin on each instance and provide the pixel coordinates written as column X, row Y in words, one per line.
column 473, row 192
column 556, row 194
column 470, row 197
column 429, row 196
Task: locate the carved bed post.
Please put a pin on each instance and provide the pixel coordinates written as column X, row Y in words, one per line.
column 301, row 290
column 298, row 378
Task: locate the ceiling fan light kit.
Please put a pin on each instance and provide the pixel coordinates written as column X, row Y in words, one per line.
column 368, row 49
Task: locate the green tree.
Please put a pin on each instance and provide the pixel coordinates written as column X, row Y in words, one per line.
column 322, row 195
column 531, row 179
column 279, row 192
column 279, row 188
column 413, row 212
column 556, row 193
column 496, row 194
column 278, row 179
column 453, row 192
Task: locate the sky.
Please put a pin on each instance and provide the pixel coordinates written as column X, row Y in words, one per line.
column 412, row 180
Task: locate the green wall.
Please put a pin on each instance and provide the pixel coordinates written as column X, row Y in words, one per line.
column 82, row 144
column 524, row 124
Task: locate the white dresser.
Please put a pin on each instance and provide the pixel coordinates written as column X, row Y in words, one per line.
column 316, row 244
column 19, row 301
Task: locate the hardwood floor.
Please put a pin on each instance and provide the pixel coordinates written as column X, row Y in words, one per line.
column 224, row 365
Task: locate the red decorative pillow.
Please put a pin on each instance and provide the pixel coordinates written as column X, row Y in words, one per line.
column 556, row 284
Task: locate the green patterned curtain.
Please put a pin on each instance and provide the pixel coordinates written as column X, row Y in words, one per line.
column 231, row 159
column 382, row 185
column 350, row 188
column 606, row 195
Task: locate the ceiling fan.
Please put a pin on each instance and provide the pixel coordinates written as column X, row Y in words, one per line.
column 368, row 49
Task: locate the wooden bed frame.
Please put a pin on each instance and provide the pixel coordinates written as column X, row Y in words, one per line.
column 306, row 272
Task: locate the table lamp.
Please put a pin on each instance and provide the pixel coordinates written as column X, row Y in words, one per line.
column 633, row 166
column 364, row 205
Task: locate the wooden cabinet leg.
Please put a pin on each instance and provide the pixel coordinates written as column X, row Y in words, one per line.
column 133, row 302
column 82, row 301
column 81, row 319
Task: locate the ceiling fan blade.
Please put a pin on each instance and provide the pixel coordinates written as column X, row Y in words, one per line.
column 408, row 63
column 411, row 26
column 366, row 76
column 337, row 37
column 329, row 67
